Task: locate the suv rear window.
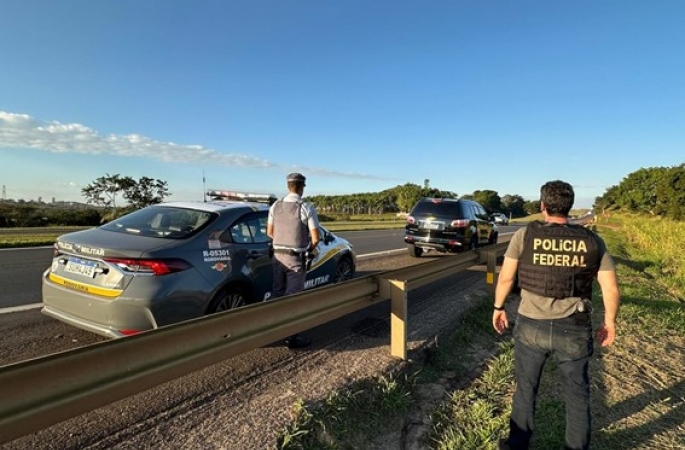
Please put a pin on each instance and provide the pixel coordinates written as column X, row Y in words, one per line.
column 440, row 208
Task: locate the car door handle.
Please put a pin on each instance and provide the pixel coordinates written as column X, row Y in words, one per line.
column 255, row 254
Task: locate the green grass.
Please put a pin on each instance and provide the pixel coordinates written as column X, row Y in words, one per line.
column 476, row 416
column 638, row 384
column 361, row 226
column 357, row 415
column 37, row 240
column 32, row 237
column 347, row 418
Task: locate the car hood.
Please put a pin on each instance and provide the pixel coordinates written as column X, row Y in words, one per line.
column 337, row 238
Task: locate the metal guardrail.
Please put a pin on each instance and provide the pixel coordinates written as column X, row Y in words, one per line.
column 38, row 393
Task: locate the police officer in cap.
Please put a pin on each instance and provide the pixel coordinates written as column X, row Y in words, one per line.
column 557, row 263
column 293, row 226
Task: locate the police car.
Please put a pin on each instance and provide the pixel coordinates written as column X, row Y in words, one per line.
column 175, row 261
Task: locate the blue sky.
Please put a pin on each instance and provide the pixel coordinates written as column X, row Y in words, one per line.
column 360, row 96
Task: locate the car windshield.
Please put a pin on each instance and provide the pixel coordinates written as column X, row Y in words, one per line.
column 161, row 221
column 449, row 209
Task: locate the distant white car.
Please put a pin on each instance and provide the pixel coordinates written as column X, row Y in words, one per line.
column 500, row 219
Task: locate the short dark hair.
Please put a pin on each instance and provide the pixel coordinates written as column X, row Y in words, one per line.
column 558, row 197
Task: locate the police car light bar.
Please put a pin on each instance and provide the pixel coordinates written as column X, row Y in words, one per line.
column 217, row 194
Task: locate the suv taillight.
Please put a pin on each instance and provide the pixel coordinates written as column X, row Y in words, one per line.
column 149, row 266
column 411, row 220
column 461, row 223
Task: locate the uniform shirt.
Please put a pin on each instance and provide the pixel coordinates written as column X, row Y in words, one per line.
column 538, row 307
column 308, row 215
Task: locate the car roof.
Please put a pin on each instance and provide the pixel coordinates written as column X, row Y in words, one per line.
column 441, row 199
column 463, row 201
column 215, row 205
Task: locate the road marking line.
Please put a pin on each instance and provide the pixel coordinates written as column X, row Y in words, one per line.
column 383, row 253
column 14, row 309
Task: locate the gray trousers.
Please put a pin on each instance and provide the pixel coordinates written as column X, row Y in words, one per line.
column 289, row 274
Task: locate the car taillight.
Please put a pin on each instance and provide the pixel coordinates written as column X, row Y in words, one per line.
column 130, row 332
column 410, row 220
column 461, row 223
column 149, row 266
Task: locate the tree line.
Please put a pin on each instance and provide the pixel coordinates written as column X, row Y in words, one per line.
column 654, row 191
column 400, row 199
column 107, row 197
column 657, row 191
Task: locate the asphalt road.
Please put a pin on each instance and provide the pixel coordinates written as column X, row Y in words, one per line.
column 20, row 275
column 21, row 269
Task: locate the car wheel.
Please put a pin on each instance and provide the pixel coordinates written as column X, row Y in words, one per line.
column 228, row 298
column 493, row 238
column 344, row 271
column 414, row 251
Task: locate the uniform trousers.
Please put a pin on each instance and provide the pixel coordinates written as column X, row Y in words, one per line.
column 569, row 341
column 289, row 274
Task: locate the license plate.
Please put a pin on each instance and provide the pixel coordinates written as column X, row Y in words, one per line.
column 431, row 225
column 81, row 267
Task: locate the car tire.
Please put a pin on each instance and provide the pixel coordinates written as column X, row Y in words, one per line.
column 414, row 251
column 344, row 270
column 229, row 298
column 493, row 238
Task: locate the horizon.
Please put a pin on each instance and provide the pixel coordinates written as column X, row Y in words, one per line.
column 83, row 201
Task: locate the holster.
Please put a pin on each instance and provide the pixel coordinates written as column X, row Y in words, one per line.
column 583, row 314
column 582, row 318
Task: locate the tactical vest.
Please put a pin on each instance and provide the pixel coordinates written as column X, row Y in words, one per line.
column 289, row 230
column 558, row 260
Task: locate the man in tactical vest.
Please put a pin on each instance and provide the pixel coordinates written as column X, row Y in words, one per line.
column 556, row 263
column 294, row 228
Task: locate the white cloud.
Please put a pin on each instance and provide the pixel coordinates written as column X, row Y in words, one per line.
column 23, row 131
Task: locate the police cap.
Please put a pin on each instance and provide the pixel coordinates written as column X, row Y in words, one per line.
column 296, row 177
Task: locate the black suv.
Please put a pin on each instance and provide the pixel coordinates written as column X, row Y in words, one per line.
column 448, row 225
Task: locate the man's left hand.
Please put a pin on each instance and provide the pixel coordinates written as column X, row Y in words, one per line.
column 606, row 334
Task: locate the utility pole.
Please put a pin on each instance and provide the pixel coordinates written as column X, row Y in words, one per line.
column 204, row 191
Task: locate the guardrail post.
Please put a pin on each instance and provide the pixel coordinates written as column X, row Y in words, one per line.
column 491, row 274
column 398, row 318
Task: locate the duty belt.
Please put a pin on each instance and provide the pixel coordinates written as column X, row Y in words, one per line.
column 288, row 251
